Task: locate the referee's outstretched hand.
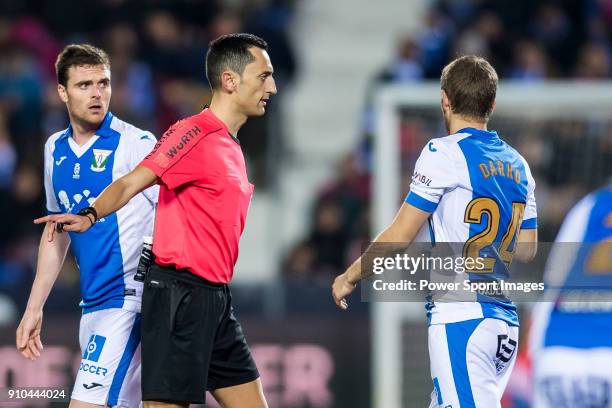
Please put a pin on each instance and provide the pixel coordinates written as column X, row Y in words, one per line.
column 65, row 222
column 341, row 288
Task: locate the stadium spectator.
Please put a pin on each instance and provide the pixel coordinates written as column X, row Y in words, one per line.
column 529, row 62
column 594, row 62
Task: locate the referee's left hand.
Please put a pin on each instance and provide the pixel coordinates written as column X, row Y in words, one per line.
column 341, row 288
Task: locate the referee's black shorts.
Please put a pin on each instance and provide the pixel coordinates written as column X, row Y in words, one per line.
column 191, row 341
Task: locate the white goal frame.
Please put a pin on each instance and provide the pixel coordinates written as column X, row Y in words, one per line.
column 589, row 99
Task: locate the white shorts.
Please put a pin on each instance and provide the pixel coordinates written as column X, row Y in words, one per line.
column 572, row 377
column 471, row 362
column 109, row 373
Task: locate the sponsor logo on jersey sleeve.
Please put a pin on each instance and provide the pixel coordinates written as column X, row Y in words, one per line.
column 421, row 178
column 184, row 141
column 171, row 145
column 161, row 160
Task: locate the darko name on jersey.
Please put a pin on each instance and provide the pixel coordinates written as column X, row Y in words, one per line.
column 499, row 168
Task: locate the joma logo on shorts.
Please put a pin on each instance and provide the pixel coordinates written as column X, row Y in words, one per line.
column 185, row 139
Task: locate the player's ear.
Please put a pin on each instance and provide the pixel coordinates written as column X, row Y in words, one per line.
column 229, row 80
column 61, row 90
column 493, row 106
column 445, row 101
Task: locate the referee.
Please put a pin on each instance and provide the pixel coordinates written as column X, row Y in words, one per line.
column 191, row 341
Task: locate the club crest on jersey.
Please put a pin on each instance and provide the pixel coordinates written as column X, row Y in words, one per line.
column 100, row 158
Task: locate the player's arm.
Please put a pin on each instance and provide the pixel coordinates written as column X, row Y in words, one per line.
column 114, row 197
column 434, row 174
column 407, row 223
column 139, row 151
column 51, row 257
column 527, row 245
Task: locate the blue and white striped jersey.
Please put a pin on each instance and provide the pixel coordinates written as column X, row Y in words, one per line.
column 578, row 307
column 478, row 190
column 108, row 253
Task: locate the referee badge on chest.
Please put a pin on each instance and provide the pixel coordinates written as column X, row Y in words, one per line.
column 100, row 158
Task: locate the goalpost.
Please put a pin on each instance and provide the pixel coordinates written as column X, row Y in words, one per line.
column 564, row 127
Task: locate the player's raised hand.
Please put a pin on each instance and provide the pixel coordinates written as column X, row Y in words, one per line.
column 341, row 288
column 27, row 338
column 66, row 222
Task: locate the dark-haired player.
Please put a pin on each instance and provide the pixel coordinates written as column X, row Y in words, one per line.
column 80, row 162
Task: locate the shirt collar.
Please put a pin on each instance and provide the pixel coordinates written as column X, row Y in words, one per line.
column 210, row 115
column 479, row 132
column 104, row 130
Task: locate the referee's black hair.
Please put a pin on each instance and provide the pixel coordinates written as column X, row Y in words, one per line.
column 230, row 51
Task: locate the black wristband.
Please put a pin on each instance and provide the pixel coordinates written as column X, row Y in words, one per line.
column 89, row 210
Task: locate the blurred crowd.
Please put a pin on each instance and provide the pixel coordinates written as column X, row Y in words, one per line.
column 157, row 51
column 525, row 41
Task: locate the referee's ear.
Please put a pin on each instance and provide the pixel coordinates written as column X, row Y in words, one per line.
column 229, row 81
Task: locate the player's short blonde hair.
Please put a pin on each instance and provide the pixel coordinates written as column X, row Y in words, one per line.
column 470, row 83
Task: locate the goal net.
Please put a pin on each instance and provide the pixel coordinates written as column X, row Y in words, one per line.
column 564, row 131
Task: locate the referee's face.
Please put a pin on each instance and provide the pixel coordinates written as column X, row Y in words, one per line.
column 256, row 84
column 87, row 94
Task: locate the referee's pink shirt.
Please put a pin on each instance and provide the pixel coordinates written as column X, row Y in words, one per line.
column 204, row 197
